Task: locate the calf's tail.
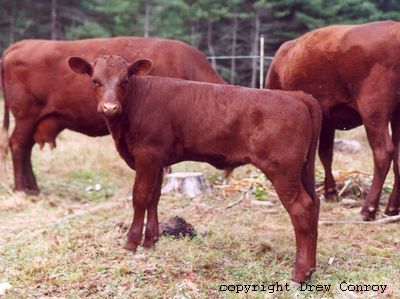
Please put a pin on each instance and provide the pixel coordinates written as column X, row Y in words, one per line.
column 309, row 168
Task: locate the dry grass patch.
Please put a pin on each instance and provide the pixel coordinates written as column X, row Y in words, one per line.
column 46, row 252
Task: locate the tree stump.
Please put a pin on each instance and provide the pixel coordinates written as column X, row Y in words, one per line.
column 191, row 184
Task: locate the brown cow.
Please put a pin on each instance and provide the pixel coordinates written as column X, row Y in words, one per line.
column 156, row 122
column 354, row 73
column 46, row 98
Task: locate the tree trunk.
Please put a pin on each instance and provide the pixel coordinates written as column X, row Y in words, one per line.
column 209, row 44
column 192, row 32
column 54, row 19
column 146, row 27
column 11, row 29
column 233, row 50
column 254, row 49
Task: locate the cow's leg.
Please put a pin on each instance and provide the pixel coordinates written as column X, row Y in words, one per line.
column 32, row 186
column 375, row 105
column 21, row 143
column 146, row 183
column 325, row 151
column 303, row 211
column 152, row 230
column 382, row 150
column 394, row 199
column 376, row 121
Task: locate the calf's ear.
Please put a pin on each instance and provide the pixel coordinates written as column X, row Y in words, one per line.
column 80, row 66
column 140, row 67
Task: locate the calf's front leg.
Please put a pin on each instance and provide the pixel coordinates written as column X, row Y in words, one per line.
column 145, row 188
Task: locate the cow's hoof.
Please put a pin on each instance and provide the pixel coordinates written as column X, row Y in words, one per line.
column 391, row 211
column 331, row 195
column 167, row 170
column 301, row 276
column 29, row 192
column 32, row 192
column 131, row 246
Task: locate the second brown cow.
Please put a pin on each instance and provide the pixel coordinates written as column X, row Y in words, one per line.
column 45, row 98
column 157, row 122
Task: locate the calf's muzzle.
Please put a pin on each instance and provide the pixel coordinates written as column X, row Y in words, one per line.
column 110, row 109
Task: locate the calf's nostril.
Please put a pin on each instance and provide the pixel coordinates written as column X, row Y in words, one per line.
column 110, row 107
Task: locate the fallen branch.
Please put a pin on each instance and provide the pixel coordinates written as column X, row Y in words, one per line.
column 120, row 198
column 245, row 194
column 234, row 203
column 346, row 185
column 354, row 171
column 391, row 219
column 94, row 210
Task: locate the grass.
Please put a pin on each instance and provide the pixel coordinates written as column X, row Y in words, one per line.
column 45, row 254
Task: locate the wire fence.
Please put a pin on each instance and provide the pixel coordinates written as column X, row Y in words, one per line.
column 264, row 61
column 262, row 58
column 240, row 57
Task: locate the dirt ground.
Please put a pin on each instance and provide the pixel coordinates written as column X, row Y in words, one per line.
column 67, row 242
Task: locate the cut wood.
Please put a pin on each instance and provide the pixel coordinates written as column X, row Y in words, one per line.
column 191, row 184
column 263, row 203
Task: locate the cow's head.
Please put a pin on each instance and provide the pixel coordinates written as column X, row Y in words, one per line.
column 110, row 79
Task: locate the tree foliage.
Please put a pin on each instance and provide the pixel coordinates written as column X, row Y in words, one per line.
column 215, row 27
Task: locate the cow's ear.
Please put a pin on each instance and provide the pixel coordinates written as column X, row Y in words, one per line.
column 140, row 67
column 80, row 66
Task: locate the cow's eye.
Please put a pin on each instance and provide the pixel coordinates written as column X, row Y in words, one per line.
column 96, row 83
column 123, row 83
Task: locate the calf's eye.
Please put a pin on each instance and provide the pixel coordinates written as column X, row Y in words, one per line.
column 96, row 83
column 123, row 83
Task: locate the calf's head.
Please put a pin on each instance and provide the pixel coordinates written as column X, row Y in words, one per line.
column 110, row 77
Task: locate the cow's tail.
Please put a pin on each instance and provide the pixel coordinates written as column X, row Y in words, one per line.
column 272, row 80
column 308, row 177
column 4, row 143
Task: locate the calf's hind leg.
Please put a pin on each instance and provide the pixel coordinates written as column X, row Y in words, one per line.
column 152, row 230
column 303, row 211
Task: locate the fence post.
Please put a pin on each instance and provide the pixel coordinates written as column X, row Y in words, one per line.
column 261, row 61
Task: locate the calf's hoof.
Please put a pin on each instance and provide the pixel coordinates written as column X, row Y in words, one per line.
column 368, row 214
column 148, row 243
column 390, row 211
column 131, row 246
column 302, row 276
